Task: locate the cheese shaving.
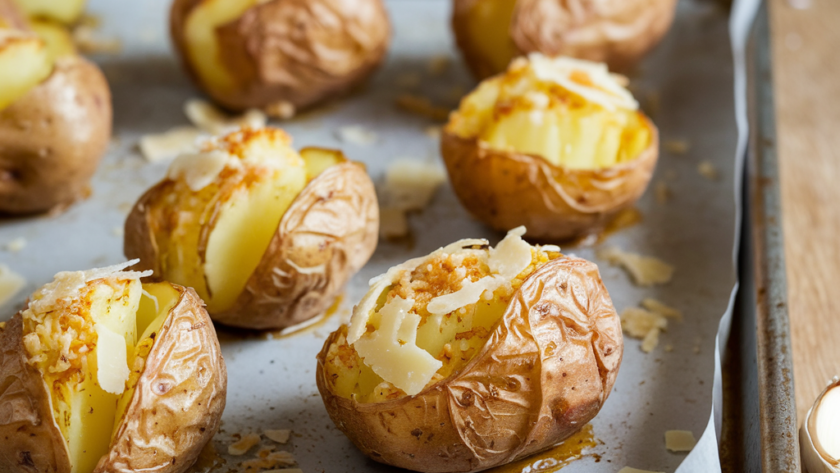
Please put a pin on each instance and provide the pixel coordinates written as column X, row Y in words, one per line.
column 280, row 435
column 198, row 170
column 660, row 308
column 645, row 270
column 169, row 144
column 680, row 440
column 590, row 80
column 392, row 347
column 10, row 284
column 511, row 256
column 208, row 118
column 645, row 325
column 16, row 245
column 470, row 293
column 243, row 445
column 112, row 365
column 357, row 135
column 410, row 184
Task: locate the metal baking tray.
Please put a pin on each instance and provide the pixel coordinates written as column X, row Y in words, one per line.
column 759, row 410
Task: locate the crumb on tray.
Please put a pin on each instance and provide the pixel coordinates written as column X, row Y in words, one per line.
column 679, row 440
column 243, row 445
column 645, row 270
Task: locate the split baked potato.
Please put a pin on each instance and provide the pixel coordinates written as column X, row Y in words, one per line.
column 267, row 236
column 555, row 144
column 63, row 11
column 490, row 33
column 472, row 356
column 280, row 56
column 102, row 373
column 55, row 119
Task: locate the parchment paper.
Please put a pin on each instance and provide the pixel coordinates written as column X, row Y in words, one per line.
column 686, row 85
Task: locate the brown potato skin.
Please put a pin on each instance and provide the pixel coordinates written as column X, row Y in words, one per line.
column 52, row 138
column 618, row 32
column 506, row 189
column 30, row 440
column 545, row 371
column 300, row 52
column 180, row 397
column 334, row 222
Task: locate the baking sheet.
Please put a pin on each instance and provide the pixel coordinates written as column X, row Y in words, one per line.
column 689, row 76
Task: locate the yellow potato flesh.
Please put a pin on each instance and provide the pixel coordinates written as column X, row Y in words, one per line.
column 317, row 160
column 24, row 63
column 570, row 132
column 200, row 38
column 65, row 11
column 245, row 226
column 488, row 23
column 57, row 38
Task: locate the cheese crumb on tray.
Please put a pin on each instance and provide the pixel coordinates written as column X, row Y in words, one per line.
column 280, row 435
column 645, row 270
column 680, row 440
column 10, row 283
column 243, row 445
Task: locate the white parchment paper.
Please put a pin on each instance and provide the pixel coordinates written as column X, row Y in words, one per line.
column 687, row 86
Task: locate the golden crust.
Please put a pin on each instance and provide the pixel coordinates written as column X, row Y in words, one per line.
column 30, row 440
column 328, row 233
column 506, row 189
column 297, row 52
column 545, row 371
column 178, row 402
column 179, row 398
column 618, row 32
column 50, row 162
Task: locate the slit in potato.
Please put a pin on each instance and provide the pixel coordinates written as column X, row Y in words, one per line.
column 425, row 320
column 81, row 334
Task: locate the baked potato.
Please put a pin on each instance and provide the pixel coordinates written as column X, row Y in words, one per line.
column 266, row 236
column 55, row 119
column 63, row 11
column 102, row 373
column 490, row 33
column 555, row 144
column 472, row 356
column 280, row 56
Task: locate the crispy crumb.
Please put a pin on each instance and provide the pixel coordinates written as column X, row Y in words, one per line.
column 697, row 342
column 15, row 245
column 280, row 436
column 357, row 135
column 241, row 446
column 88, row 42
column 169, row 144
column 677, row 146
column 438, row 65
column 707, row 170
column 679, row 440
column 408, row 80
column 272, row 460
column 662, row 192
column 422, row 106
column 645, row 270
column 669, row 348
column 10, row 283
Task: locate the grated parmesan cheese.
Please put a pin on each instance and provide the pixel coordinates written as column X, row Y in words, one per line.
column 645, row 270
column 679, row 440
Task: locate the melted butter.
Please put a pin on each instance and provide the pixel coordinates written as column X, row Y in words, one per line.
column 627, row 218
column 208, row 460
column 557, row 457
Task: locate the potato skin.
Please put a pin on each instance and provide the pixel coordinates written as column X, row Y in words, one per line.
column 333, row 223
column 30, row 440
column 506, row 189
column 52, row 138
column 179, row 398
column 545, row 371
column 299, row 52
column 174, row 412
column 618, row 32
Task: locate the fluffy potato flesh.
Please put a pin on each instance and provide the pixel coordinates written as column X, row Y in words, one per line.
column 215, row 236
column 572, row 113
column 202, row 43
column 25, row 61
column 64, row 11
column 426, row 319
column 81, row 333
